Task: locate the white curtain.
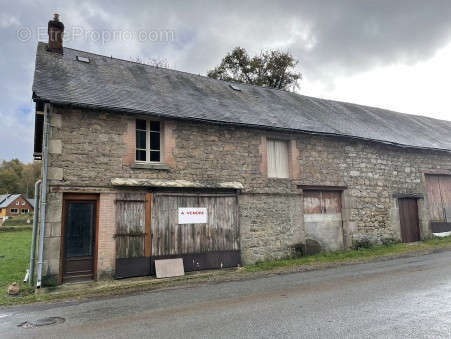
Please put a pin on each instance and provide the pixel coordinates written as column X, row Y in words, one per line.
column 277, row 153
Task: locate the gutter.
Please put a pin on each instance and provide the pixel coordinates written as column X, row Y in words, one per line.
column 42, row 214
column 34, row 233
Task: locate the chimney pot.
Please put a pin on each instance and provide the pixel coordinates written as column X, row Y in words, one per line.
column 55, row 31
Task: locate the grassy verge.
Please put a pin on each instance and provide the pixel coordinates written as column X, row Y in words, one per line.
column 354, row 255
column 14, row 247
column 14, row 259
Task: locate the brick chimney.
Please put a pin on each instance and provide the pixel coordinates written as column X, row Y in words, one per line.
column 55, row 31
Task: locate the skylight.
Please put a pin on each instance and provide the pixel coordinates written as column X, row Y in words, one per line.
column 83, row 59
column 235, row 88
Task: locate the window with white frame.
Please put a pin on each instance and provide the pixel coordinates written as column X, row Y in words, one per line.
column 14, row 210
column 24, row 211
column 277, row 158
column 23, row 203
column 148, row 141
column 17, row 202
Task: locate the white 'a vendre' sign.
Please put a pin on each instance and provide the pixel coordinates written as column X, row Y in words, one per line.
column 192, row 215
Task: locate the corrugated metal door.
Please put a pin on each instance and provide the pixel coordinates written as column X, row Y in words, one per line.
column 214, row 244
column 408, row 214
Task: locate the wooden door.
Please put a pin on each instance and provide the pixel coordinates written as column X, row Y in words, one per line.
column 79, row 240
column 132, row 234
column 408, row 214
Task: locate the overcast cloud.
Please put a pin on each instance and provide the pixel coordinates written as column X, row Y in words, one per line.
column 391, row 54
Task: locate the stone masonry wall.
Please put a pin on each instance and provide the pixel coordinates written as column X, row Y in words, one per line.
column 89, row 148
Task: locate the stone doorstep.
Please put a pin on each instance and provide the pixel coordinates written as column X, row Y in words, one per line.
column 148, row 283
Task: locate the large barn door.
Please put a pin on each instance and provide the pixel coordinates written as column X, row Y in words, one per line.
column 132, row 249
column 408, row 214
column 204, row 245
column 438, row 189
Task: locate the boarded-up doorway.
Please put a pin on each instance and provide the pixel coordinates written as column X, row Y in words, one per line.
column 322, row 219
column 205, row 245
column 438, row 188
column 408, row 215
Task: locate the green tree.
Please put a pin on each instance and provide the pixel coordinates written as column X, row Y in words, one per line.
column 17, row 177
column 271, row 68
column 9, row 181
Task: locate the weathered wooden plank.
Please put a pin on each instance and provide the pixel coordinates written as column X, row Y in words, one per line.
column 445, row 189
column 434, row 198
column 130, row 223
column 220, row 233
column 147, row 240
column 312, row 202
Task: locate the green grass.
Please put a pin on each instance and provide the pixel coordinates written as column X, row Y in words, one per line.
column 14, row 260
column 20, row 220
column 352, row 255
column 14, row 256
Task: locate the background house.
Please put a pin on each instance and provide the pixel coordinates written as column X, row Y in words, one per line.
column 15, row 204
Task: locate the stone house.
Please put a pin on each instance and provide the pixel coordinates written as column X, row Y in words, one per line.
column 143, row 163
column 12, row 205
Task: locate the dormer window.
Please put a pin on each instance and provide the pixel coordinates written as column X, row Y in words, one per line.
column 148, row 141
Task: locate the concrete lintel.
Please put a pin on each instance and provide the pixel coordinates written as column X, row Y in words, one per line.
column 172, row 183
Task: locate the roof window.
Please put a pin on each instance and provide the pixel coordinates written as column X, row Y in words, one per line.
column 83, row 59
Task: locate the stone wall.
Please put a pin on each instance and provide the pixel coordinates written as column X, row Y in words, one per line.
column 89, row 148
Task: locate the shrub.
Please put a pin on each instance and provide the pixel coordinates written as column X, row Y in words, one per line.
column 361, row 243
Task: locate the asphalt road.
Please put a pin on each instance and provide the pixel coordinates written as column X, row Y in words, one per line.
column 403, row 298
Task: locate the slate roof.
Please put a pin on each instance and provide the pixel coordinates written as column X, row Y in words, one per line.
column 9, row 200
column 30, row 201
column 3, row 197
column 120, row 85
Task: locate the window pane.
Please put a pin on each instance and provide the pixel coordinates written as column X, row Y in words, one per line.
column 141, row 139
column 154, row 156
column 154, row 141
column 140, row 155
column 140, row 124
column 79, row 229
column 277, row 158
column 155, row 126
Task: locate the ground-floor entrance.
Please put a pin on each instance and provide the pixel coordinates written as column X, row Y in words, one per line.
column 409, row 220
column 78, row 247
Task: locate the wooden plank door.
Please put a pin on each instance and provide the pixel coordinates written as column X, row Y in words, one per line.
column 214, row 244
column 79, row 240
column 408, row 214
column 132, row 234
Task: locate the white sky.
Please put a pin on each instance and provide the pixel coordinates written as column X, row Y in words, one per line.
column 422, row 88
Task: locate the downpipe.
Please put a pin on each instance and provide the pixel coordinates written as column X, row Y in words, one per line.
column 34, row 234
column 42, row 212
